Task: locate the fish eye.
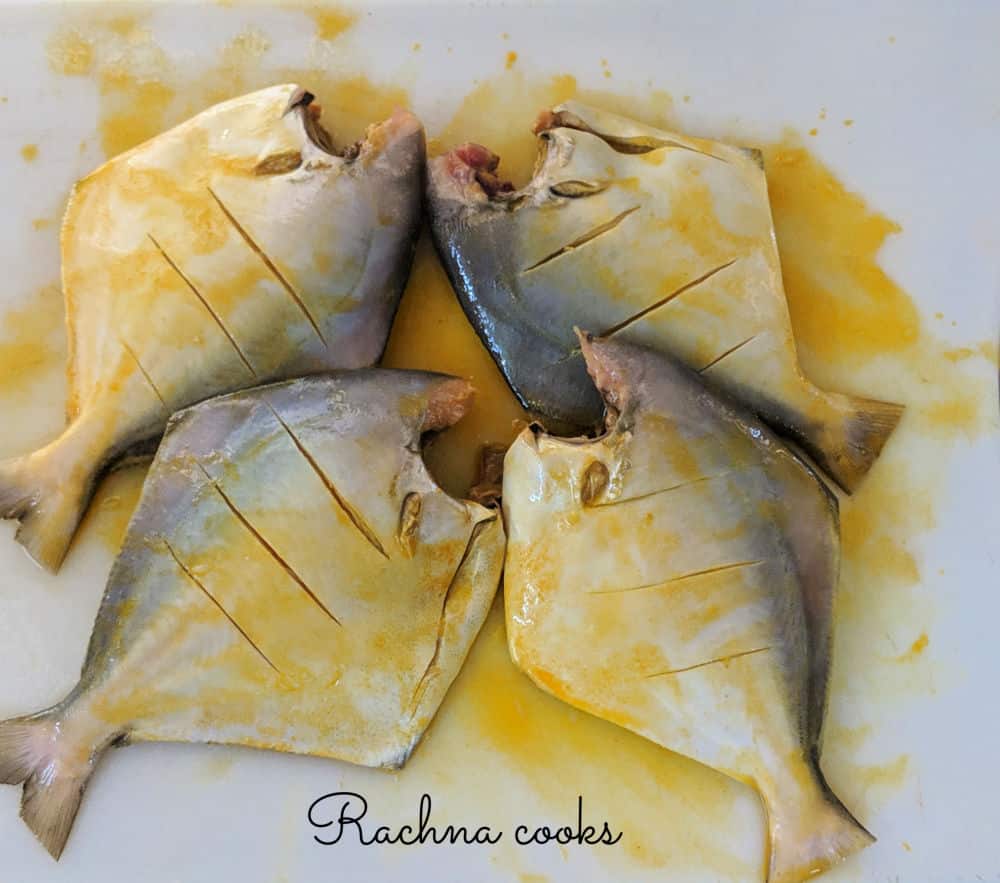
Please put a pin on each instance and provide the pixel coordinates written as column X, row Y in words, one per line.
column 279, row 163
column 576, row 189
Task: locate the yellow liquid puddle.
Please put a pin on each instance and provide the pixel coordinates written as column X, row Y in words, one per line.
column 857, row 330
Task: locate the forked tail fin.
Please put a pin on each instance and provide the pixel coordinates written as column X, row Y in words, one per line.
column 48, row 492
column 811, row 833
column 849, row 440
column 53, row 767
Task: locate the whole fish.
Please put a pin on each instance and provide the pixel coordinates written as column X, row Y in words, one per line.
column 292, row 579
column 676, row 576
column 236, row 248
column 650, row 237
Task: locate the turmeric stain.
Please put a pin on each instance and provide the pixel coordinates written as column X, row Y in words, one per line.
column 510, row 60
column 916, row 648
column 31, row 340
column 108, row 516
column 673, row 811
column 888, row 775
column 29, row 153
column 844, row 307
column 70, row 53
column 332, row 22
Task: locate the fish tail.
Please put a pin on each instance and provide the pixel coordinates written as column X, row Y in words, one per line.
column 47, row 759
column 848, row 441
column 48, row 491
column 811, row 832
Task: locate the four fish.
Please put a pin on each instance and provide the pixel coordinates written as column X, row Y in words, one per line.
column 645, row 236
column 237, row 248
column 676, row 576
column 292, row 579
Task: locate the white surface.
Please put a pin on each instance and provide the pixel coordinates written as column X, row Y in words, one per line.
column 924, row 151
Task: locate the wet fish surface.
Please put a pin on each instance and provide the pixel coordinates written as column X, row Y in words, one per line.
column 646, row 236
column 238, row 248
column 676, row 576
column 292, row 579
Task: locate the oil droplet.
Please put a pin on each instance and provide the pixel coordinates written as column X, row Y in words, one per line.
column 814, row 132
column 511, row 60
column 29, row 153
column 848, row 122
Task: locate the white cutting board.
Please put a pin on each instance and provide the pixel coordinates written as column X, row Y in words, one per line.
column 920, row 81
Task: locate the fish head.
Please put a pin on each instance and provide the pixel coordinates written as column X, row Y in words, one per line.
column 280, row 129
column 340, row 220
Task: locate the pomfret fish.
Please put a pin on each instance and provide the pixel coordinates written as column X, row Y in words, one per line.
column 234, row 249
column 645, row 236
column 292, row 579
column 676, row 576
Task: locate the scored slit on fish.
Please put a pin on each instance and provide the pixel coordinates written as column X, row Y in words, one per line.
column 716, row 661
column 204, row 302
column 708, row 571
column 621, row 501
column 282, row 280
column 215, row 601
column 353, row 515
column 663, row 301
column 143, row 371
column 589, row 236
column 421, row 683
column 727, row 353
column 274, row 553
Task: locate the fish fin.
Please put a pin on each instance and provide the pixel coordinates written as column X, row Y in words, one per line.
column 47, row 492
column 54, row 780
column 848, row 442
column 811, row 834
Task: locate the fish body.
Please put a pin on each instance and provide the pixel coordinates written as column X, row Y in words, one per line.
column 675, row 576
column 235, row 249
column 292, row 579
column 645, row 236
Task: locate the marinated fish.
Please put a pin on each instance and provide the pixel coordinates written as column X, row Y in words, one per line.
column 238, row 248
column 645, row 236
column 676, row 576
column 292, row 579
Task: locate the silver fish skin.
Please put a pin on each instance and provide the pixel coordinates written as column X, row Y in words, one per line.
column 292, row 579
column 676, row 576
column 235, row 249
column 646, row 236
